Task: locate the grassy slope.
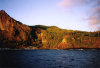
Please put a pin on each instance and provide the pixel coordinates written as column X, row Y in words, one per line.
column 52, row 37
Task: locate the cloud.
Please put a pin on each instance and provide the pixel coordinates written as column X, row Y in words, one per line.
column 72, row 3
column 66, row 3
column 93, row 18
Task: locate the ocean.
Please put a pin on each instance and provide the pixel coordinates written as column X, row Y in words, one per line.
column 50, row 58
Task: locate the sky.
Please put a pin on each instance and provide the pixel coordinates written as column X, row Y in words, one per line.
column 66, row 14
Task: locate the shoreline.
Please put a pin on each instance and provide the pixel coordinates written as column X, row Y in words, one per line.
column 51, row 49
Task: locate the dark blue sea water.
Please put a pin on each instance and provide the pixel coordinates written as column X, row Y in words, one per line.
column 49, row 58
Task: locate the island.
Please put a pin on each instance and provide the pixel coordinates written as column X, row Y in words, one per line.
column 16, row 35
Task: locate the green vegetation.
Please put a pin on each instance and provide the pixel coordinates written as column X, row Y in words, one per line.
column 77, row 39
column 54, row 36
column 50, row 37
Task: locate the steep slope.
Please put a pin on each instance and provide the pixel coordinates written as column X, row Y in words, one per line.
column 12, row 30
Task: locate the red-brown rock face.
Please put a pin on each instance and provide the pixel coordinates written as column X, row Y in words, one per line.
column 11, row 29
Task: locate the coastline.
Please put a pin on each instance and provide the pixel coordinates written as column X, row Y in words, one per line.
column 50, row 49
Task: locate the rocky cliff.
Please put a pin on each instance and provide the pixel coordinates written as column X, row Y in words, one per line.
column 14, row 34
column 12, row 30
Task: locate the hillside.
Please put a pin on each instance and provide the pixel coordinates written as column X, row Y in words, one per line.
column 14, row 34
